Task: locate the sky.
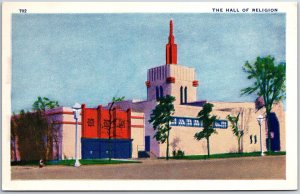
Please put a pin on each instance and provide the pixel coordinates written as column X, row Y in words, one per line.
column 90, row 58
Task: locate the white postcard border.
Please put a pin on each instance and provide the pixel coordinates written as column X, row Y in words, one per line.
column 290, row 8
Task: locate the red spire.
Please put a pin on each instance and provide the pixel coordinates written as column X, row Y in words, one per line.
column 171, row 47
column 171, row 27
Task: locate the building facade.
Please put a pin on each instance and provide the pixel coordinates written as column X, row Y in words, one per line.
column 131, row 132
column 127, row 134
column 180, row 81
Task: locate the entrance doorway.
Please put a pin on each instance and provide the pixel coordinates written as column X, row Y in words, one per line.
column 147, row 143
column 275, row 133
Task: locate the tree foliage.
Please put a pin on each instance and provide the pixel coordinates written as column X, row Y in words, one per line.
column 268, row 82
column 33, row 134
column 161, row 117
column 235, row 129
column 44, row 104
column 208, row 120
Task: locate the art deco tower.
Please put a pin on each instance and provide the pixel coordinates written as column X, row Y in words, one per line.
column 171, row 78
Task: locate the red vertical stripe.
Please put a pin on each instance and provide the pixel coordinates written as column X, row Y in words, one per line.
column 99, row 121
column 114, row 122
column 129, row 122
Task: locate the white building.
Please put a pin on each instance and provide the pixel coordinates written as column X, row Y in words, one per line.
column 180, row 81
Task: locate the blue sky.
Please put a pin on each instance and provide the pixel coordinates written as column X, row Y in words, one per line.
column 89, row 58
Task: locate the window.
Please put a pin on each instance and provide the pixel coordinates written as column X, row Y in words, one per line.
column 255, row 139
column 196, row 123
column 161, row 91
column 185, row 95
column 157, row 93
column 250, row 139
column 189, row 122
column 174, row 121
column 181, row 95
column 181, row 122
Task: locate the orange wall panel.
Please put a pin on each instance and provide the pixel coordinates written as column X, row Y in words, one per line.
column 121, row 130
column 90, row 123
column 96, row 122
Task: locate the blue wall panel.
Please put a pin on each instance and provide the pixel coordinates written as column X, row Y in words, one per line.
column 99, row 148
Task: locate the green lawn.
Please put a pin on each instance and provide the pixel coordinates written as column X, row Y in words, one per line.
column 225, row 155
column 115, row 161
column 88, row 162
column 72, row 162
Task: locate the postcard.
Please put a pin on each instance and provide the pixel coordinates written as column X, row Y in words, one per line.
column 149, row 96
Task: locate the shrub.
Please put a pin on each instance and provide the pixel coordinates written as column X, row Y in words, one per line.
column 178, row 154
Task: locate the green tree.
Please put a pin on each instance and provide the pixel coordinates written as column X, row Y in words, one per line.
column 44, row 103
column 34, row 132
column 111, row 121
column 235, row 129
column 208, row 122
column 269, row 83
column 161, row 117
column 41, row 105
column 31, row 130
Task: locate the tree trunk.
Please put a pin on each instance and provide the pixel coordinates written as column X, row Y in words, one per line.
column 109, row 138
column 48, row 145
column 242, row 144
column 168, row 145
column 109, row 129
column 208, row 151
column 239, row 145
column 15, row 148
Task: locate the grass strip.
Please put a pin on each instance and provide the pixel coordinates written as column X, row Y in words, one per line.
column 225, row 155
column 72, row 162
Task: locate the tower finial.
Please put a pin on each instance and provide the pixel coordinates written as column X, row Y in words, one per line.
column 171, row 47
column 171, row 27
